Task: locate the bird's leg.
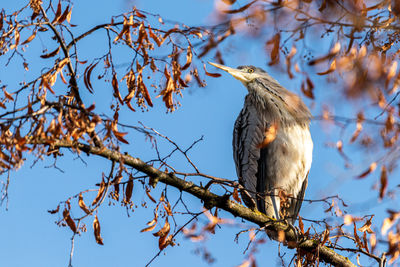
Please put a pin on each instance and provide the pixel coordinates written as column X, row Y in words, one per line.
column 276, row 203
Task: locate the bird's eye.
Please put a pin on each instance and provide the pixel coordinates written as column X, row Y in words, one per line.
column 250, row 70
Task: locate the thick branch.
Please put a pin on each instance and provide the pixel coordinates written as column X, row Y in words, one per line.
column 211, row 200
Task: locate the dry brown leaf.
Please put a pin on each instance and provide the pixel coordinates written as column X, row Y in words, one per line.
column 139, row 14
column 145, row 93
column 301, row 225
column 215, row 75
column 30, row 38
column 69, row 16
column 7, row 95
column 235, row 195
column 54, row 211
column 357, row 239
column 384, row 182
column 86, row 76
column 367, row 226
column 275, row 41
column 332, row 68
column 332, row 53
column 64, row 15
column 163, row 242
column 152, row 224
column 120, row 136
column 45, row 82
column 128, row 191
column 164, row 230
column 198, row 79
column 96, row 227
column 189, row 56
column 372, row 242
column 115, row 87
column 58, row 12
column 370, row 169
column 168, row 209
column 116, row 182
column 99, row 192
column 148, row 194
column 82, row 204
column 307, row 88
column 154, row 37
column 51, row 54
column 70, row 222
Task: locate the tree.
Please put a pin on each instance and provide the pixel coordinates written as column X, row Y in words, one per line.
column 57, row 110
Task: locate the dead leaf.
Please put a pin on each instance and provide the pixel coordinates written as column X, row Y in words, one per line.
column 30, row 38
column 215, row 75
column 115, row 87
column 301, row 225
column 307, row 88
column 168, row 209
column 388, row 222
column 96, row 227
column 189, row 56
column 235, row 195
column 82, row 204
column 128, row 191
column 371, row 168
column 367, row 226
column 148, row 194
column 164, row 230
column 332, row 68
column 357, row 239
column 51, row 54
column 154, row 37
column 86, row 76
column 384, row 182
column 54, row 211
column 275, row 41
column 70, row 222
column 99, row 192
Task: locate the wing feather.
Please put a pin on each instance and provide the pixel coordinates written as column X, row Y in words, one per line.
column 247, row 135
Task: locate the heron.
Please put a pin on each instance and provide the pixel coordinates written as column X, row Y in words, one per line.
column 272, row 145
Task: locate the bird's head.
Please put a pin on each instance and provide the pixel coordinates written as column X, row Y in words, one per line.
column 268, row 91
column 245, row 74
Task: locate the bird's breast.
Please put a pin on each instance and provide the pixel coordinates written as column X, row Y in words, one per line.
column 291, row 156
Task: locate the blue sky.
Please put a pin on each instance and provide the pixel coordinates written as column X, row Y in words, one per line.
column 28, row 232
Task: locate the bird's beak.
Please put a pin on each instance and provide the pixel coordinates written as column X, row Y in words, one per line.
column 238, row 74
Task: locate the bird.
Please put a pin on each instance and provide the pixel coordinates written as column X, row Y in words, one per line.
column 272, row 145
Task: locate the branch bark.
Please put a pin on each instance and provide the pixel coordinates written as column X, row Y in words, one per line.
column 210, row 199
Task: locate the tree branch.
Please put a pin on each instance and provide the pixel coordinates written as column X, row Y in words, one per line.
column 210, row 199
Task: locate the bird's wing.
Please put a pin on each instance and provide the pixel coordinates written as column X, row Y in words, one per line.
column 247, row 135
column 262, row 181
column 298, row 200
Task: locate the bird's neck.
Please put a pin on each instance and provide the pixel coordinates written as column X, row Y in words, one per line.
column 275, row 110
